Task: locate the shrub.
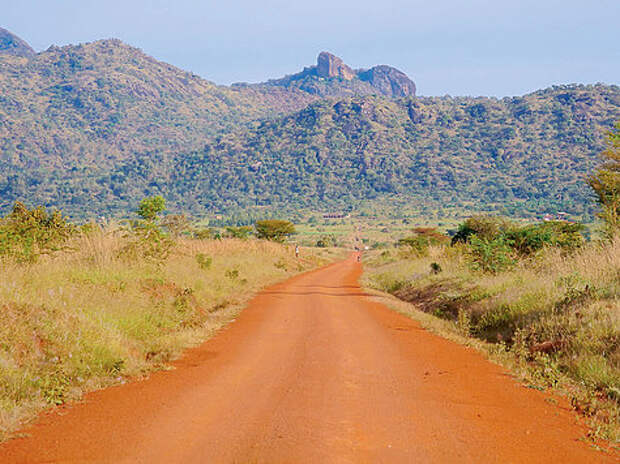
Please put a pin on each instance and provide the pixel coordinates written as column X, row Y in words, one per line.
column 484, row 227
column 242, row 232
column 435, row 268
column 533, row 238
column 423, row 238
column 232, row 274
column 204, row 261
column 176, row 224
column 25, row 234
column 490, row 255
column 205, row 234
column 326, row 241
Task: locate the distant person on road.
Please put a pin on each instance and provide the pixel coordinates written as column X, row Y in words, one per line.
column 296, row 251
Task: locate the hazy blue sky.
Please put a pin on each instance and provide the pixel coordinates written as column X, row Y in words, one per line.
column 475, row 47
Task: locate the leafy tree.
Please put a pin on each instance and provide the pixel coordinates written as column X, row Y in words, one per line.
column 274, row 229
column 150, row 208
column 147, row 238
column 606, row 183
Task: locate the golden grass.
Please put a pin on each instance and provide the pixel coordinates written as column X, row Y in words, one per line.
column 568, row 302
column 84, row 319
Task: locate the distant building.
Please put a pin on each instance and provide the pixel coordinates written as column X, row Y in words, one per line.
column 335, row 215
column 560, row 216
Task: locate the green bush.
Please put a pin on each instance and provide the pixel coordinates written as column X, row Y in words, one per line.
column 533, row 238
column 204, row 261
column 242, row 232
column 484, row 227
column 205, row 234
column 490, row 255
column 326, row 241
column 25, row 234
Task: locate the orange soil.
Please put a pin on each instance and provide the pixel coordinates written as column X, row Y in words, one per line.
column 314, row 371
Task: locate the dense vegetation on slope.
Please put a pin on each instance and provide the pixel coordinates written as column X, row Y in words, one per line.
column 103, row 101
column 92, row 128
column 528, row 153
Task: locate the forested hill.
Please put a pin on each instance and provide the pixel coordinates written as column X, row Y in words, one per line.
column 93, row 128
column 530, row 153
column 96, row 103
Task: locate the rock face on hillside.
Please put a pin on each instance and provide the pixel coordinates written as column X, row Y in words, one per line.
column 331, row 77
column 329, row 66
column 12, row 45
column 389, row 81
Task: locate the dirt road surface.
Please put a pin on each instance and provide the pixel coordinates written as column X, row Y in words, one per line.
column 314, row 372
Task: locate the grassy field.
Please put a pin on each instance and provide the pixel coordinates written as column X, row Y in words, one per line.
column 554, row 319
column 87, row 317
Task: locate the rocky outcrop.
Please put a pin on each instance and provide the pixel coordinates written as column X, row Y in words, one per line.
column 10, row 44
column 389, row 81
column 329, row 66
column 331, row 77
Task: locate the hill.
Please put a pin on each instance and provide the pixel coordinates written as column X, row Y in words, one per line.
column 528, row 153
column 93, row 128
column 99, row 102
column 10, row 44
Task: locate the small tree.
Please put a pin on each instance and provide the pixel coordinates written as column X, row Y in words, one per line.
column 150, row 208
column 274, row 229
column 606, row 183
column 147, row 237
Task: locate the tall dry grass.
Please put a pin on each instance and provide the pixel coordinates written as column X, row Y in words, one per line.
column 89, row 317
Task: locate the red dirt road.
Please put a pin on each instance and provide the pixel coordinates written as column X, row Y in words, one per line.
column 314, row 371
